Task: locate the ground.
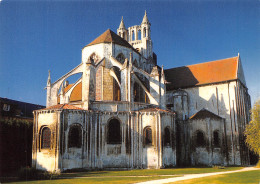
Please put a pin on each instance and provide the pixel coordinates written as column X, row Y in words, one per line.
column 135, row 176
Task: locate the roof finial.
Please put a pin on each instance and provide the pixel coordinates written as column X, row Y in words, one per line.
column 122, row 25
column 145, row 19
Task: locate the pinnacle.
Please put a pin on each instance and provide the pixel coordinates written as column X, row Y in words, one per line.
column 145, row 19
column 122, row 25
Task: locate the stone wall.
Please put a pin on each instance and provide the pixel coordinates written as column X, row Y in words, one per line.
column 229, row 100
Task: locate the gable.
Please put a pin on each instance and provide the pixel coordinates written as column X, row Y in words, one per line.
column 204, row 113
column 240, row 73
column 110, row 37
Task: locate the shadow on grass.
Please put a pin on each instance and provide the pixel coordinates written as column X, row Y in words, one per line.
column 83, row 173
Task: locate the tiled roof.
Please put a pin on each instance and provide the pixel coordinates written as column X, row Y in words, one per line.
column 62, row 106
column 76, row 94
column 109, row 36
column 204, row 113
column 203, row 73
column 67, row 88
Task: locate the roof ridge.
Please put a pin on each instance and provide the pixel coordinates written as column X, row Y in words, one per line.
column 201, row 63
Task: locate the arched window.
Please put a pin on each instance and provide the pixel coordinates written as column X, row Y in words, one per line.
column 93, row 58
column 139, row 34
column 200, row 139
column 116, row 87
column 135, row 63
column 114, row 132
column 167, row 136
column 216, row 141
column 121, row 58
column 144, row 32
column 133, row 35
column 46, row 138
column 75, row 136
column 137, row 92
column 148, row 137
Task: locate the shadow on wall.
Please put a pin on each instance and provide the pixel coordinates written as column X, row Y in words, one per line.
column 109, row 141
column 187, row 100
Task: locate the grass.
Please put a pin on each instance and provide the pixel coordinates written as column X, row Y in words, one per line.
column 129, row 176
column 97, row 180
column 149, row 172
column 249, row 177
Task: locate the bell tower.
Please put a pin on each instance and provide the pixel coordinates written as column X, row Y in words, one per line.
column 145, row 25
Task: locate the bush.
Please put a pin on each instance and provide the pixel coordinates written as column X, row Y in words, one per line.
column 218, row 167
column 15, row 145
column 30, row 173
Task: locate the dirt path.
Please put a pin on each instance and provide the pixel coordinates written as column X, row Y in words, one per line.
column 192, row 176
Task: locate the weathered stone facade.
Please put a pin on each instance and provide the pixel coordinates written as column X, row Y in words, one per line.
column 127, row 112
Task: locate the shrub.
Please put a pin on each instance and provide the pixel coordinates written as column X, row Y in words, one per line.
column 218, row 167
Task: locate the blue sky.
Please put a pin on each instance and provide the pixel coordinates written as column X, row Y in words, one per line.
column 37, row 36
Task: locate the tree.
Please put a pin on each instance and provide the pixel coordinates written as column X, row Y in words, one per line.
column 252, row 130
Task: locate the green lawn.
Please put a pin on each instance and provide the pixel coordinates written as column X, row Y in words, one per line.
column 149, row 172
column 131, row 176
column 98, row 180
column 249, row 177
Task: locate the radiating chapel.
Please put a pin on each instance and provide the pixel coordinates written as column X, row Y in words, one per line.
column 126, row 112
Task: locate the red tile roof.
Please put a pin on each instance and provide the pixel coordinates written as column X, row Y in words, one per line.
column 68, row 88
column 203, row 73
column 65, row 91
column 62, row 106
column 76, row 94
column 110, row 37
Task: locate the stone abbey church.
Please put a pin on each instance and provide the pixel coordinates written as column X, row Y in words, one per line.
column 126, row 112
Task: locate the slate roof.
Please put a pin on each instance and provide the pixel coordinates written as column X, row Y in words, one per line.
column 25, row 108
column 204, row 113
column 110, row 37
column 202, row 73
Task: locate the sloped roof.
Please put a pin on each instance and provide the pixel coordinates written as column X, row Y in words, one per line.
column 68, row 88
column 202, row 73
column 155, row 109
column 76, row 94
column 110, row 37
column 204, row 113
column 25, row 108
column 62, row 106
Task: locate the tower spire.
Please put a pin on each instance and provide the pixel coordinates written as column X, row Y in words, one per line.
column 145, row 19
column 122, row 25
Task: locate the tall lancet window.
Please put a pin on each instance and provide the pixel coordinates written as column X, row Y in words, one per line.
column 46, row 138
column 148, row 137
column 114, row 132
column 75, row 136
